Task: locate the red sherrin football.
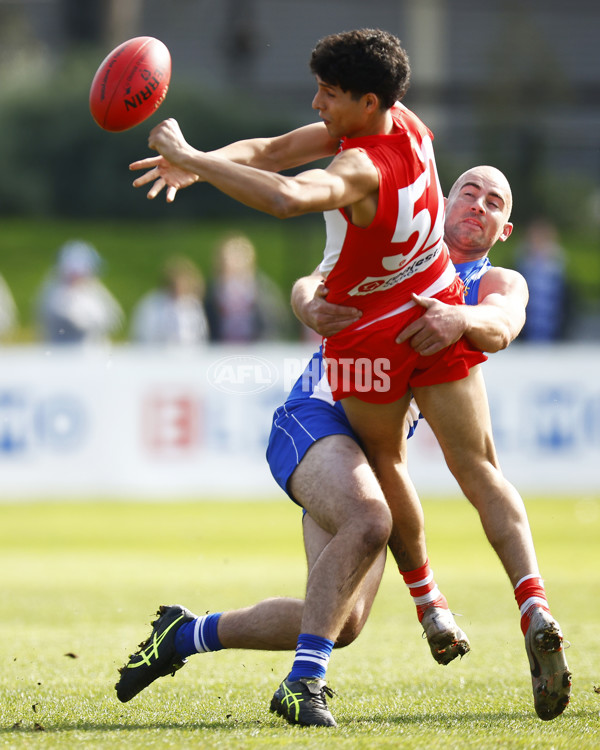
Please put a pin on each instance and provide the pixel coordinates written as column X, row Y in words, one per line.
column 130, row 84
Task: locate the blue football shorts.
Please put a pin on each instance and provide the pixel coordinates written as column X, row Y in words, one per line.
column 297, row 425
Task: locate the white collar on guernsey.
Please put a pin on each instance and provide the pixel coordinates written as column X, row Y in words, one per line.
column 441, row 283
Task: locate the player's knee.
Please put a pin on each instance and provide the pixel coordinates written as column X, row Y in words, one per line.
column 376, row 528
column 351, row 630
column 371, row 529
column 347, row 636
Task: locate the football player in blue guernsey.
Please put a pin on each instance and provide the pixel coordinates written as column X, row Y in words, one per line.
column 313, row 451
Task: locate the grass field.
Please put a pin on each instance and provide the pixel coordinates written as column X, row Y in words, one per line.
column 81, row 581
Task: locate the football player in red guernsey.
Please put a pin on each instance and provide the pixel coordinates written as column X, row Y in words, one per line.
column 384, row 216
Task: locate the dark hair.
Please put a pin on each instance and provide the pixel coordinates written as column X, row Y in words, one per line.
column 364, row 61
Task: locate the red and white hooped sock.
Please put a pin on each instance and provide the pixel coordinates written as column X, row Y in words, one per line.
column 423, row 589
column 530, row 592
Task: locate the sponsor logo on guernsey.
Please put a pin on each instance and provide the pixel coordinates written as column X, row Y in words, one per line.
column 382, row 283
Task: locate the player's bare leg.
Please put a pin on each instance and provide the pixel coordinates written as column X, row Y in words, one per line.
column 355, row 514
column 274, row 624
column 458, row 414
column 383, row 434
column 315, row 540
column 359, row 523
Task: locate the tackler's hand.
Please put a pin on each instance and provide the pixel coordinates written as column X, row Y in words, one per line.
column 327, row 318
column 439, row 326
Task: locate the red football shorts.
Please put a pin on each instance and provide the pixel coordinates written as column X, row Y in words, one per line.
column 367, row 363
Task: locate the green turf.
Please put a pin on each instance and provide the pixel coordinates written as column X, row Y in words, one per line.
column 81, row 581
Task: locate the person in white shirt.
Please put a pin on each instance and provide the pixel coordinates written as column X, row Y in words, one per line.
column 74, row 306
column 173, row 314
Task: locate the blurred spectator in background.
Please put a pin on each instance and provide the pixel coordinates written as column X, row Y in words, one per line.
column 74, row 306
column 173, row 313
column 541, row 260
column 8, row 311
column 242, row 303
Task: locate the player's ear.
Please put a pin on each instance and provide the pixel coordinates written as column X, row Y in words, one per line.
column 506, row 232
column 371, row 102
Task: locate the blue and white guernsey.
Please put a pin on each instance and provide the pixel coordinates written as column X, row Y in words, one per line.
column 471, row 274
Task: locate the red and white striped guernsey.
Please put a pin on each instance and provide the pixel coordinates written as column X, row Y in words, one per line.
column 376, row 268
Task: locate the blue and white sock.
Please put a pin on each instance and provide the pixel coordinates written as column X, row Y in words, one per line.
column 198, row 636
column 312, row 657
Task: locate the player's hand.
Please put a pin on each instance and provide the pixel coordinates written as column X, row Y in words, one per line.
column 162, row 174
column 325, row 317
column 165, row 170
column 168, row 140
column 440, row 326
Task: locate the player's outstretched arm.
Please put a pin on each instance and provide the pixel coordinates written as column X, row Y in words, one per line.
column 490, row 325
column 351, row 177
column 298, row 147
